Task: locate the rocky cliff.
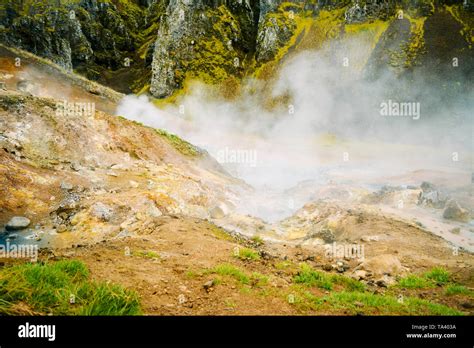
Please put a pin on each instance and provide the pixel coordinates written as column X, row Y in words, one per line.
column 157, row 45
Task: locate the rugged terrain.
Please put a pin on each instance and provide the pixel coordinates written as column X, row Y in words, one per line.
column 160, row 46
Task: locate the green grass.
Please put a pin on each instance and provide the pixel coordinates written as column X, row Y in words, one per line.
column 253, row 279
column 47, row 288
column 257, row 240
column 147, row 254
column 247, row 254
column 179, row 144
column 348, row 283
column 258, row 279
column 283, row 265
column 438, row 275
column 310, row 277
column 219, row 233
column 414, row 282
column 231, row 271
column 368, row 303
column 456, row 289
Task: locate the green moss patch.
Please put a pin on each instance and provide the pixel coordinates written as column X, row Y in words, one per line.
column 61, row 288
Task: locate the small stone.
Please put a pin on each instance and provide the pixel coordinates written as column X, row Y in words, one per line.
column 453, row 211
column 381, row 283
column 67, row 186
column 74, row 166
column 327, row 267
column 17, row 223
column 133, row 184
column 217, row 213
column 456, row 230
column 101, row 211
column 208, row 285
column 360, row 274
column 61, row 228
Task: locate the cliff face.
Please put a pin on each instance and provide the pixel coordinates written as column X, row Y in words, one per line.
column 210, row 39
column 156, row 45
column 73, row 33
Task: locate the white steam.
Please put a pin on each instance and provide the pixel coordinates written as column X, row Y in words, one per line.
column 329, row 129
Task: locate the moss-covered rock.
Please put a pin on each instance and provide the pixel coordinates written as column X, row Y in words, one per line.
column 204, row 39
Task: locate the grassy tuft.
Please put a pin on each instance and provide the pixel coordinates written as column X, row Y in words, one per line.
column 456, row 289
column 179, row 144
column 49, row 287
column 368, row 303
column 438, row 275
column 247, row 254
column 147, row 254
column 310, row 277
column 258, row 240
column 231, row 271
column 414, row 282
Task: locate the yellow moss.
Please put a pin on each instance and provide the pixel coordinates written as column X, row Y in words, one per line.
column 467, row 21
column 310, row 33
column 370, row 32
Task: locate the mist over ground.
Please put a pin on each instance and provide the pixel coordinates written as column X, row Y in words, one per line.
column 335, row 120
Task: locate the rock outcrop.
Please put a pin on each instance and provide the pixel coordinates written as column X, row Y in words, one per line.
column 210, row 39
column 156, row 45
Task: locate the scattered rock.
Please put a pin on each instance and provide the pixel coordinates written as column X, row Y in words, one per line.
column 69, row 203
column 133, row 184
column 467, row 305
column 385, row 281
column 17, row 223
column 153, row 211
column 385, row 264
column 61, row 228
column 208, row 285
column 341, row 266
column 431, row 196
column 67, row 186
column 124, row 234
column 327, row 267
column 101, row 211
column 75, row 166
column 370, row 238
column 453, row 211
column 217, row 213
column 327, row 236
column 456, row 230
column 360, row 274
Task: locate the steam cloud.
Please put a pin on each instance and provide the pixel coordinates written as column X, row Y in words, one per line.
column 331, row 127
